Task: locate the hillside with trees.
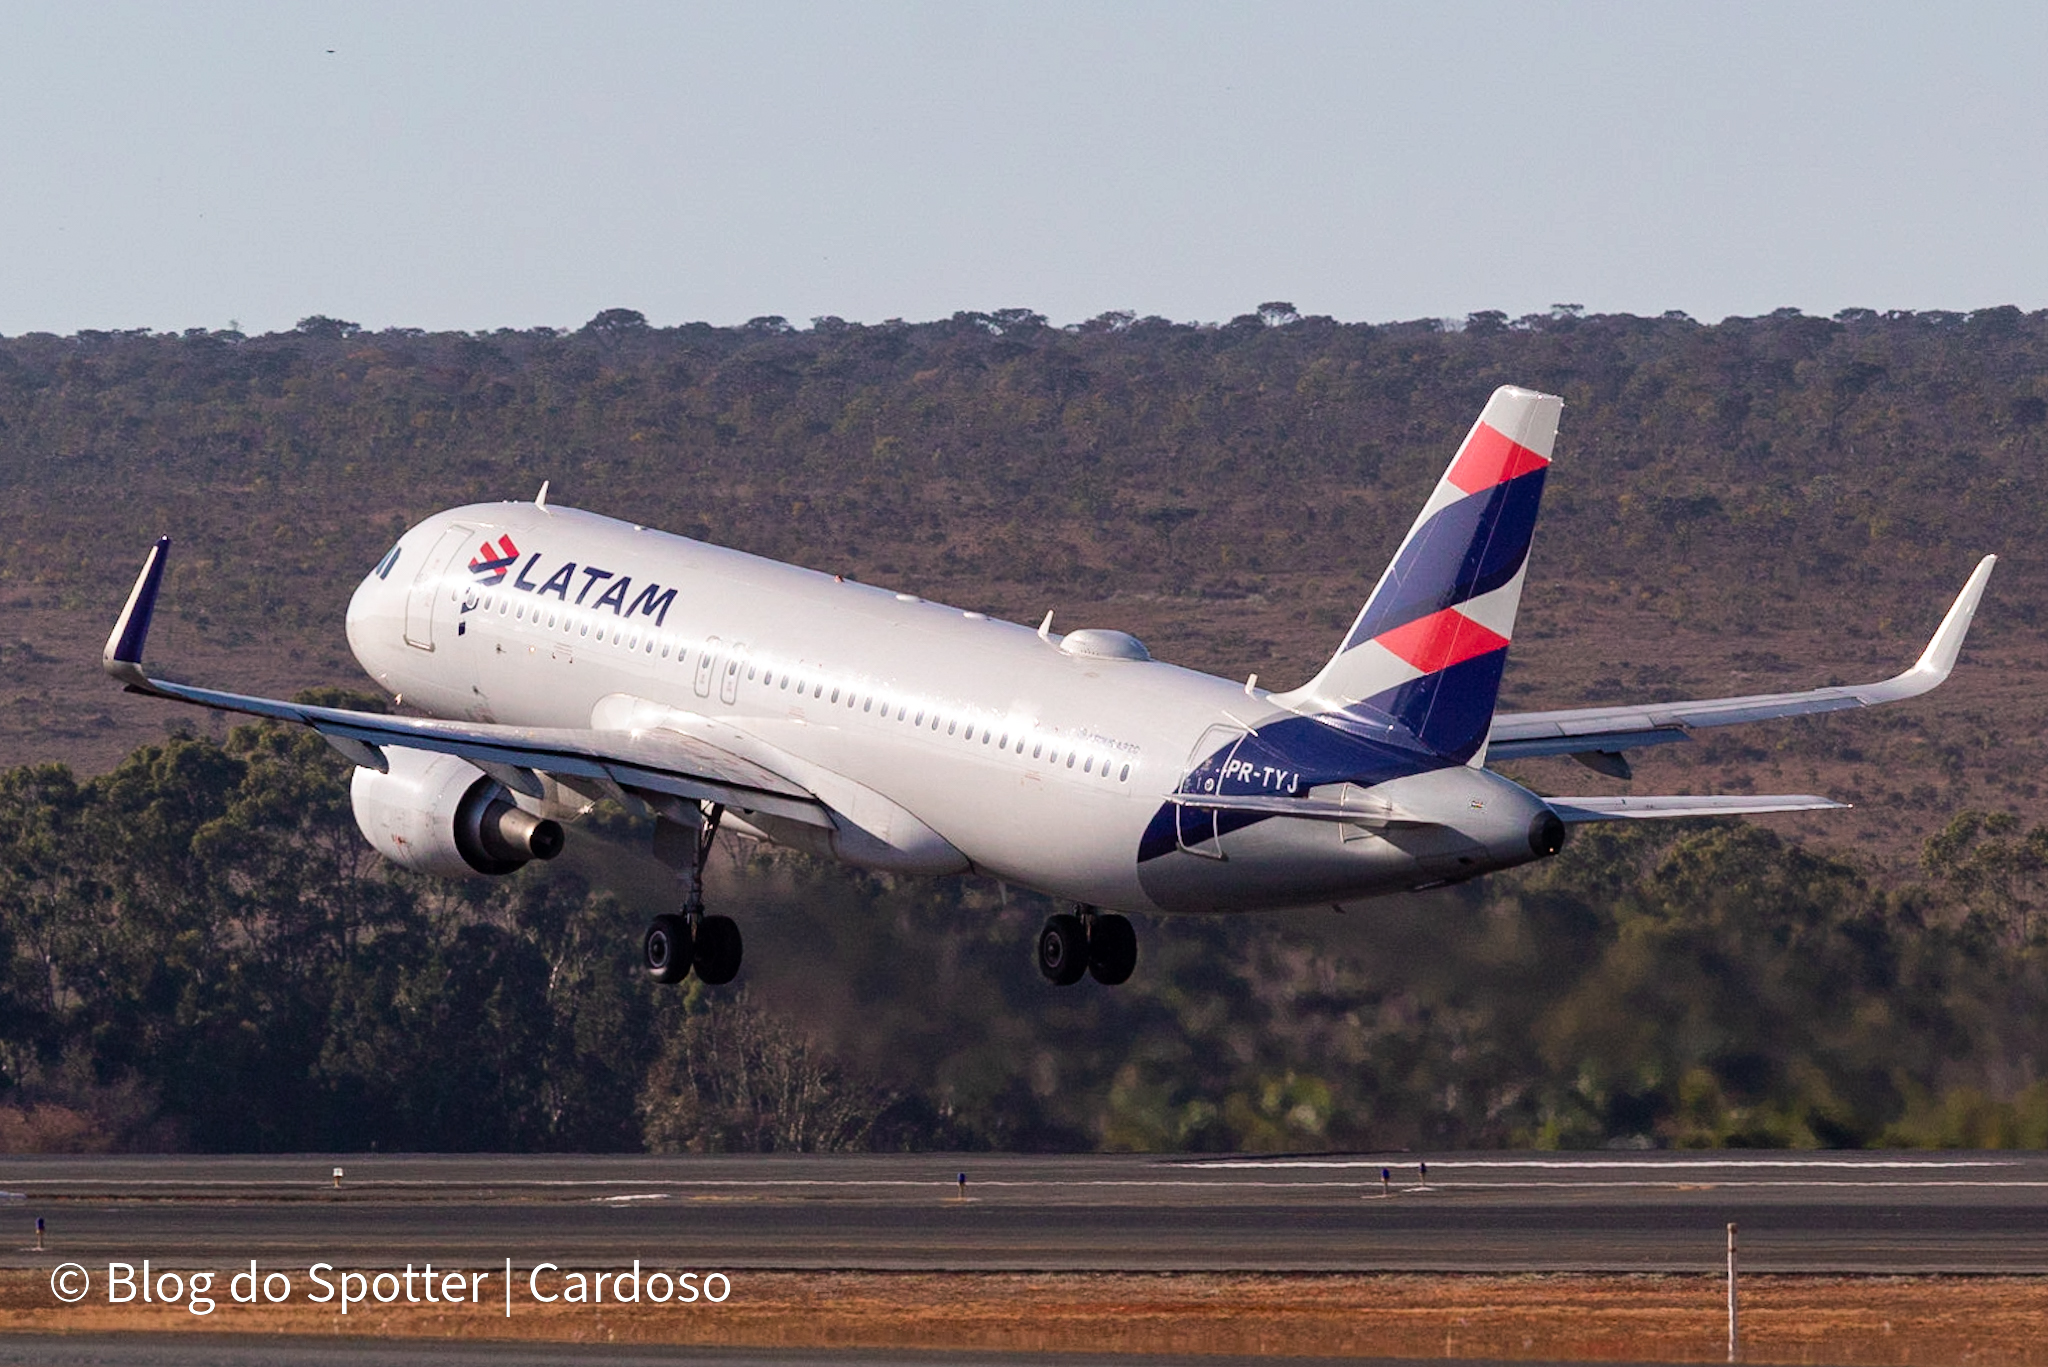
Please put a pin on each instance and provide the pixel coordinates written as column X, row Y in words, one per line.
column 202, row 953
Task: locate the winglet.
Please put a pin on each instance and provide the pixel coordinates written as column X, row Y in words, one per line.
column 1939, row 658
column 123, row 656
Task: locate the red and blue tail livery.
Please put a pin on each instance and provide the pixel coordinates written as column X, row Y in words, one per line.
column 1426, row 652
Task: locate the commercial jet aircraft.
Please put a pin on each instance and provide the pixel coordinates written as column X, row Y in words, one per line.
column 562, row 657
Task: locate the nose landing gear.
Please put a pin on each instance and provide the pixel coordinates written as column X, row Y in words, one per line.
column 676, row 944
column 1100, row 944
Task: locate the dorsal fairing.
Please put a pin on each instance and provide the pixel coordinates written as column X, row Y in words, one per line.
column 1428, row 648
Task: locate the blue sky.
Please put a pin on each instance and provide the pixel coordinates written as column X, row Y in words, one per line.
column 477, row 166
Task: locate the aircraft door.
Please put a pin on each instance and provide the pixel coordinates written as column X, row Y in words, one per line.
column 708, row 661
column 1195, row 827
column 729, row 677
column 422, row 601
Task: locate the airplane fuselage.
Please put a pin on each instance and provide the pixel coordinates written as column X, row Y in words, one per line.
column 943, row 740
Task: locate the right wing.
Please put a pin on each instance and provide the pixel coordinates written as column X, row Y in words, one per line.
column 646, row 764
column 1599, row 734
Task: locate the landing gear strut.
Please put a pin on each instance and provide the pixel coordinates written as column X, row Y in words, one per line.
column 675, row 944
column 1100, row 944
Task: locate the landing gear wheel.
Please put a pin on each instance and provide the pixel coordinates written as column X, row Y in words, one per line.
column 666, row 950
column 717, row 957
column 1112, row 950
column 1063, row 949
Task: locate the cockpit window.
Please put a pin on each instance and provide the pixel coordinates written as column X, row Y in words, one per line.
column 384, row 565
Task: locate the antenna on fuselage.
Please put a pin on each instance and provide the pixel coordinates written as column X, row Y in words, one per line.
column 1045, row 627
column 540, row 500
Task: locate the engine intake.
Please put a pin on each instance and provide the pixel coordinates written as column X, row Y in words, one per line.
column 441, row 815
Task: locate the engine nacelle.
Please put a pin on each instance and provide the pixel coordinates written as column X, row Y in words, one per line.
column 442, row 815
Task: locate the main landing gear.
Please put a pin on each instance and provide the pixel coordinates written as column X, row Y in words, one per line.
column 1100, row 944
column 676, row 944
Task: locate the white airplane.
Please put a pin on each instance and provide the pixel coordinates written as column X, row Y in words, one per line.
column 563, row 657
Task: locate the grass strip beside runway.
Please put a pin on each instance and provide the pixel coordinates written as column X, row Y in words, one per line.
column 1852, row 1321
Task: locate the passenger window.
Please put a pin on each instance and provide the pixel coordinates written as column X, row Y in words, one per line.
column 751, row 670
column 785, row 683
column 920, row 718
column 1125, row 776
column 586, row 628
column 984, row 735
column 1086, row 768
column 835, row 695
column 970, row 732
column 650, row 646
column 869, row 706
column 952, row 727
column 664, row 650
column 551, row 619
column 1070, row 759
column 1038, row 750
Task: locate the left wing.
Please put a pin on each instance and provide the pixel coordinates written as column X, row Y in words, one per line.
column 651, row 765
column 1597, row 735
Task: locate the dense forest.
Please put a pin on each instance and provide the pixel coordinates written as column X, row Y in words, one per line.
column 201, row 952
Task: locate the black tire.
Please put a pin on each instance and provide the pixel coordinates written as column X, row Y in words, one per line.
column 1063, row 950
column 666, row 950
column 719, row 948
column 1112, row 950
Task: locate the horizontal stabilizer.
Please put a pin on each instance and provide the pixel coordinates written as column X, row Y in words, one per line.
column 1576, row 809
column 1526, row 735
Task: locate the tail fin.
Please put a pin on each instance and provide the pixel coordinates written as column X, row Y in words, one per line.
column 1429, row 646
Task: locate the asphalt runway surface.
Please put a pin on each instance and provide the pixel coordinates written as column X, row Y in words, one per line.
column 1485, row 1213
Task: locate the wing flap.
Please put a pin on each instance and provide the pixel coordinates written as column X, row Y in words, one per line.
column 1526, row 735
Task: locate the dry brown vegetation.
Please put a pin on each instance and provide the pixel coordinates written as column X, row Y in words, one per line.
column 1850, row 1322
column 201, row 952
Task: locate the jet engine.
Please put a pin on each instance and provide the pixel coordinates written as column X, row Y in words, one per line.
column 442, row 815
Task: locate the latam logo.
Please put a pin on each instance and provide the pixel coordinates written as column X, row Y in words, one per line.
column 493, row 563
column 490, row 563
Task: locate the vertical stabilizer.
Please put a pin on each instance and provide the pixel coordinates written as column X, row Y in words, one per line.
column 1428, row 649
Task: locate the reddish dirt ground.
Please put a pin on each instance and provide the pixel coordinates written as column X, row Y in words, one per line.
column 1850, row 1321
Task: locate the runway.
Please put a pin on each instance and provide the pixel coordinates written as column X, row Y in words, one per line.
column 1497, row 1213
